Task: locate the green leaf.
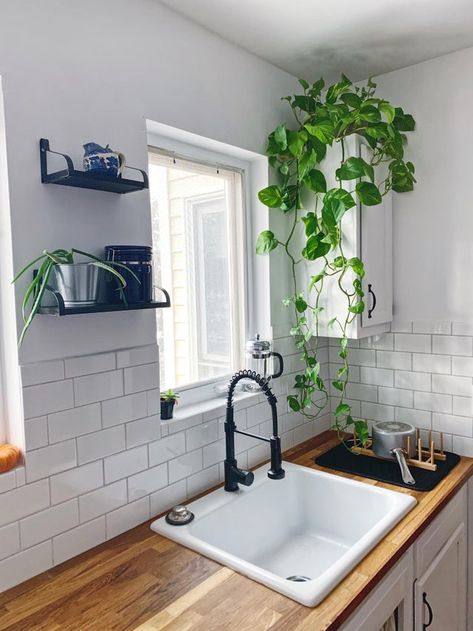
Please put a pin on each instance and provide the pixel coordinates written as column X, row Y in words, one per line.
column 331, row 322
column 341, row 194
column 357, row 308
column 316, row 279
column 339, row 261
column 354, row 168
column 300, row 304
column 317, row 87
column 280, row 137
column 311, row 224
column 388, row 110
column 332, row 211
column 315, row 247
column 362, row 431
column 305, row 103
column 402, row 121
column 342, row 408
column 368, row 193
column 338, row 385
column 271, row 196
column 357, row 266
column 343, row 343
column 306, row 163
column 323, row 130
column 293, row 403
column 315, row 180
column 296, row 141
column 304, row 84
column 353, row 100
column 266, row 242
column 369, row 113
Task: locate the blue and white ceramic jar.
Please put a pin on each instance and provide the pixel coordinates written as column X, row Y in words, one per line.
column 103, row 160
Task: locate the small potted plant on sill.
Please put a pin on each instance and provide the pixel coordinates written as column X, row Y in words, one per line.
column 77, row 282
column 168, row 399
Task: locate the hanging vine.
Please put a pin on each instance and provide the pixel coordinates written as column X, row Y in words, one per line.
column 326, row 118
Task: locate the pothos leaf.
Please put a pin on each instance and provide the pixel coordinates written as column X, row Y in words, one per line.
column 271, row 196
column 266, row 242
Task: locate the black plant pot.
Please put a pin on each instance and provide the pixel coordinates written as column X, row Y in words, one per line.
column 167, row 408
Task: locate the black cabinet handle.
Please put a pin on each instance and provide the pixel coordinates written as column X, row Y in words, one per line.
column 429, row 610
column 373, row 295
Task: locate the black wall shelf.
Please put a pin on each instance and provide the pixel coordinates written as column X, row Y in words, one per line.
column 86, row 179
column 60, row 309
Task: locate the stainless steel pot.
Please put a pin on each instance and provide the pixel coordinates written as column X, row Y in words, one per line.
column 77, row 283
column 390, row 440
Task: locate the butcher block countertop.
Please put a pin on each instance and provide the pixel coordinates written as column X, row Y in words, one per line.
column 144, row 582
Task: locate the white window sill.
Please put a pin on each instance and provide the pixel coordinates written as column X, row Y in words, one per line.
column 210, row 408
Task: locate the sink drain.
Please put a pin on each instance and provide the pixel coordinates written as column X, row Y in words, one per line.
column 298, row 578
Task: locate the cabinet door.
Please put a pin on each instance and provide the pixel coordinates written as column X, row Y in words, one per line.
column 376, row 253
column 440, row 594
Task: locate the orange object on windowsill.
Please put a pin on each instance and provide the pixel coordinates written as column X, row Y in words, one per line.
column 9, row 457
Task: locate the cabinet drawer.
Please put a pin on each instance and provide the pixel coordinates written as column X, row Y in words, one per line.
column 440, row 530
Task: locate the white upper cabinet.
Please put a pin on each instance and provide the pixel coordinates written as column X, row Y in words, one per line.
column 367, row 234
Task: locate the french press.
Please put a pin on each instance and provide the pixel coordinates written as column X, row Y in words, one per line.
column 259, row 357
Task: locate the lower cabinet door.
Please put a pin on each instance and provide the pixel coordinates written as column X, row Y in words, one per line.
column 440, row 594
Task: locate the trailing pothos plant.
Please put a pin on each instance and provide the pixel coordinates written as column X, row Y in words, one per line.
column 327, row 118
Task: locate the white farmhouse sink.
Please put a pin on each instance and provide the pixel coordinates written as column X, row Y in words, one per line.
column 311, row 524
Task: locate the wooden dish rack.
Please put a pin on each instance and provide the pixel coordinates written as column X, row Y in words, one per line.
column 424, row 459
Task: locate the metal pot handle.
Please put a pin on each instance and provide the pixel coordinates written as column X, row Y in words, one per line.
column 401, row 458
column 281, row 365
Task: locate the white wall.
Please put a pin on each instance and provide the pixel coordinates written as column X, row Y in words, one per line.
column 95, row 71
column 433, row 225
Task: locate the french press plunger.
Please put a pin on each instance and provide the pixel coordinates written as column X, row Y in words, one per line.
column 259, row 357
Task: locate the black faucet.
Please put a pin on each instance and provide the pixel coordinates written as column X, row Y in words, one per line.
column 234, row 475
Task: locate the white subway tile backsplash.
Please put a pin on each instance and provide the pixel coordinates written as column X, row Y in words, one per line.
column 418, row 418
column 127, row 517
column 201, row 435
column 432, row 363
column 214, row 453
column 22, row 566
column 452, row 345
column 377, row 376
column 383, row 342
column 47, row 461
column 462, row 366
column 138, row 356
column 185, row 465
column 98, row 387
column 48, row 523
column 147, row 482
column 47, row 398
column 9, row 540
column 459, row 425
column 462, row 328
column 401, row 326
column 140, row 378
column 154, row 402
column 463, row 446
column 396, row 396
column 7, row 481
column 76, row 482
column 203, row 480
column 447, row 384
column 172, row 495
column 463, row 406
column 429, row 326
column 90, row 364
column 125, row 463
column 36, row 433
column 400, row 360
column 78, row 540
column 102, row 500
column 166, row 449
column 358, row 391
column 100, row 444
column 42, row 372
column 416, row 343
column 124, row 409
column 433, row 402
column 413, row 380
column 75, row 422
column 143, row 431
column 377, row 412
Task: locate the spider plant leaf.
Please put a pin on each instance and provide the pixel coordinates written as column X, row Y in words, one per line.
column 27, row 267
column 124, row 267
column 36, row 305
column 106, row 267
column 43, row 271
column 59, row 259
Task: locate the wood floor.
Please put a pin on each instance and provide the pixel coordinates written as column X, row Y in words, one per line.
column 141, row 581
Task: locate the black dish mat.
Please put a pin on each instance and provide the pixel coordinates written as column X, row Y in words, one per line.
column 341, row 459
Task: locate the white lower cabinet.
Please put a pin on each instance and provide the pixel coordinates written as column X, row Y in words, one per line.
column 427, row 589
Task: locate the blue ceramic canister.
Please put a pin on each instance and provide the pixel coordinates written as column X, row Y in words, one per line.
column 103, row 160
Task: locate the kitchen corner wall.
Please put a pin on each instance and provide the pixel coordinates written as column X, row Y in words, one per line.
column 100, row 462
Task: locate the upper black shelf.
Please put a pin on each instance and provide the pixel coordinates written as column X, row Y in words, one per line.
column 86, row 179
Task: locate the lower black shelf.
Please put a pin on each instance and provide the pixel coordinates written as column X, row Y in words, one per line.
column 60, row 309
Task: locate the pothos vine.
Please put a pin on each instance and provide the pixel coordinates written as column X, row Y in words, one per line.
column 327, row 118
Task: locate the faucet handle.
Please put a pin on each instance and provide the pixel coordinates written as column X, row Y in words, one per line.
column 245, row 477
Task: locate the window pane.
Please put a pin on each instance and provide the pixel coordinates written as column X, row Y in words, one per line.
column 193, row 208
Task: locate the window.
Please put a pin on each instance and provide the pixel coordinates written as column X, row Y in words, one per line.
column 199, row 255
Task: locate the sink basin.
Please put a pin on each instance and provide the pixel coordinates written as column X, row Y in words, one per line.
column 299, row 536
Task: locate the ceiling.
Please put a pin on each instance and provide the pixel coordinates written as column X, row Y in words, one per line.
column 313, row 38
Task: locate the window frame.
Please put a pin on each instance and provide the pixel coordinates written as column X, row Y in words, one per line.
column 203, row 390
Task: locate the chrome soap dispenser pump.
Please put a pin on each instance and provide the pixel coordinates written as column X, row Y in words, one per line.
column 259, row 358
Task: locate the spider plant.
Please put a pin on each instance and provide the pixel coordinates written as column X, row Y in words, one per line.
column 46, row 263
